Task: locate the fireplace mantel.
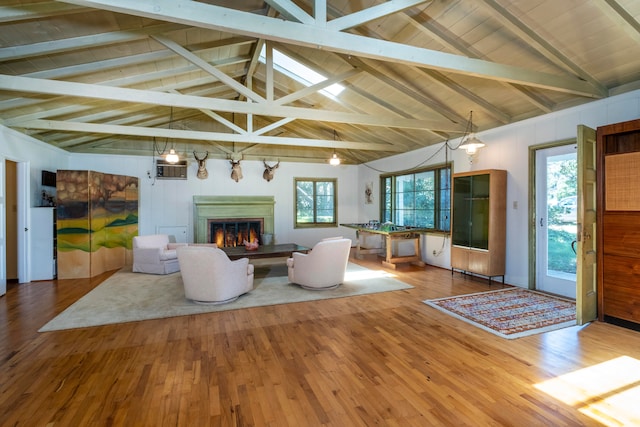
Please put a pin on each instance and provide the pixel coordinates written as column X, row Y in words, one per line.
column 217, row 207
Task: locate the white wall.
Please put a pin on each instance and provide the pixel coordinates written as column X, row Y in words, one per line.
column 18, row 147
column 170, row 202
column 506, row 148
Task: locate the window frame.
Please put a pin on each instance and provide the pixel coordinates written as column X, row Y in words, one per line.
column 315, row 223
column 389, row 211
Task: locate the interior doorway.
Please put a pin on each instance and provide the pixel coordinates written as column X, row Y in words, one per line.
column 11, row 220
column 556, row 205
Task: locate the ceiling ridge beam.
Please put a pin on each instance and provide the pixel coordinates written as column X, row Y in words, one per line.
column 229, row 20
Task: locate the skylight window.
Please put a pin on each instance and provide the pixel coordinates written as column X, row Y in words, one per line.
column 299, row 72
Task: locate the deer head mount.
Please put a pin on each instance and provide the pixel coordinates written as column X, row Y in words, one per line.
column 236, row 170
column 269, row 170
column 202, row 165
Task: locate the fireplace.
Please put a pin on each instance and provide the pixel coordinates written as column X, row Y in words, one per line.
column 230, row 232
column 234, row 211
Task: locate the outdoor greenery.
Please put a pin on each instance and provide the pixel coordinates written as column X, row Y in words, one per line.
column 562, row 177
column 560, row 255
column 315, row 202
column 418, row 199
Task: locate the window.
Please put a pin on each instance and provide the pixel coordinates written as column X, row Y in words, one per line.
column 419, row 199
column 299, row 72
column 316, row 202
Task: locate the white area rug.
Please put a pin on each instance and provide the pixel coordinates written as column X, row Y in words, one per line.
column 128, row 297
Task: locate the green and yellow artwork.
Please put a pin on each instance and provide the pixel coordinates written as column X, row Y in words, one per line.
column 97, row 217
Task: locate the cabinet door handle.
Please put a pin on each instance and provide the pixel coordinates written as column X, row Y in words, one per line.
column 541, row 225
column 26, row 229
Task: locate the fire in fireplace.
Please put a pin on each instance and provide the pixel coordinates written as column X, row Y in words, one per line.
column 234, row 231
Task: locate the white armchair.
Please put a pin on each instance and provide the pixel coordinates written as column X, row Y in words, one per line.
column 154, row 254
column 322, row 268
column 210, row 277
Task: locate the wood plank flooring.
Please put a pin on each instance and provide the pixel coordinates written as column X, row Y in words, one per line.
column 382, row 359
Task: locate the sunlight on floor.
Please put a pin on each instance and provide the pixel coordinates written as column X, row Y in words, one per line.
column 608, row 392
column 365, row 275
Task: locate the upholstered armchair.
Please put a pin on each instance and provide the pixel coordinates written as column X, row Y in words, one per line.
column 155, row 254
column 210, row 277
column 322, row 268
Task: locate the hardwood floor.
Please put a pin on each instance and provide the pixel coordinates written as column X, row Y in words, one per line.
column 382, row 359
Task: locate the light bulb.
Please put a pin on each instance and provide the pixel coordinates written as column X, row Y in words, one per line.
column 334, row 161
column 172, row 157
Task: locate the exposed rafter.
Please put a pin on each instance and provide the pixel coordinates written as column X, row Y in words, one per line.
column 204, row 136
column 310, row 35
column 25, row 84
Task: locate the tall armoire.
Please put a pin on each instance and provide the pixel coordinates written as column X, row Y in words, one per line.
column 618, row 223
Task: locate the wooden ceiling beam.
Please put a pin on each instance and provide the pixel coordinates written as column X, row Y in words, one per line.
column 238, row 22
column 540, row 44
column 53, row 87
column 372, row 13
column 27, row 12
column 75, row 43
column 203, row 136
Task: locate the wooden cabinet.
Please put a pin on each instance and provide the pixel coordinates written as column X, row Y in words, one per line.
column 618, row 223
column 478, row 226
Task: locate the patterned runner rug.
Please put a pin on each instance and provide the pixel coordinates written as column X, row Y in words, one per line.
column 510, row 313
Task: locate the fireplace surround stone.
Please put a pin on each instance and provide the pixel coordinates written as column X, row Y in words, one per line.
column 208, row 208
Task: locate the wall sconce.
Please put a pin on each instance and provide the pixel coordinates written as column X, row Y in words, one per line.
column 470, row 143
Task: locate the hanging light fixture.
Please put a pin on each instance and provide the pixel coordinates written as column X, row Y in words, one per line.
column 470, row 143
column 172, row 157
column 334, row 160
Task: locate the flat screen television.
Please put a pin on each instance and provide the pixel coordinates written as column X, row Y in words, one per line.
column 48, row 179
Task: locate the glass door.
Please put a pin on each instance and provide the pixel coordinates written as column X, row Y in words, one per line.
column 471, row 211
column 556, row 219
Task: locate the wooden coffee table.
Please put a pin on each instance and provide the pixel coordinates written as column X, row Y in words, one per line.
column 265, row 251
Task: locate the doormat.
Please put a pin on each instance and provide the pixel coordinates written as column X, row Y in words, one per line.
column 510, row 313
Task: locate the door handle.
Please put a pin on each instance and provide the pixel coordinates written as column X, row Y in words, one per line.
column 541, row 219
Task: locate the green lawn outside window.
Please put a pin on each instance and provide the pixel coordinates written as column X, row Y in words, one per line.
column 316, row 202
column 420, row 198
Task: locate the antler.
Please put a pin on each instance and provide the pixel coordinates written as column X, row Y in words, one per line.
column 200, row 159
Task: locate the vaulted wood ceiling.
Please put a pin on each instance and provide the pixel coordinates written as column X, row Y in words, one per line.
column 137, row 77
